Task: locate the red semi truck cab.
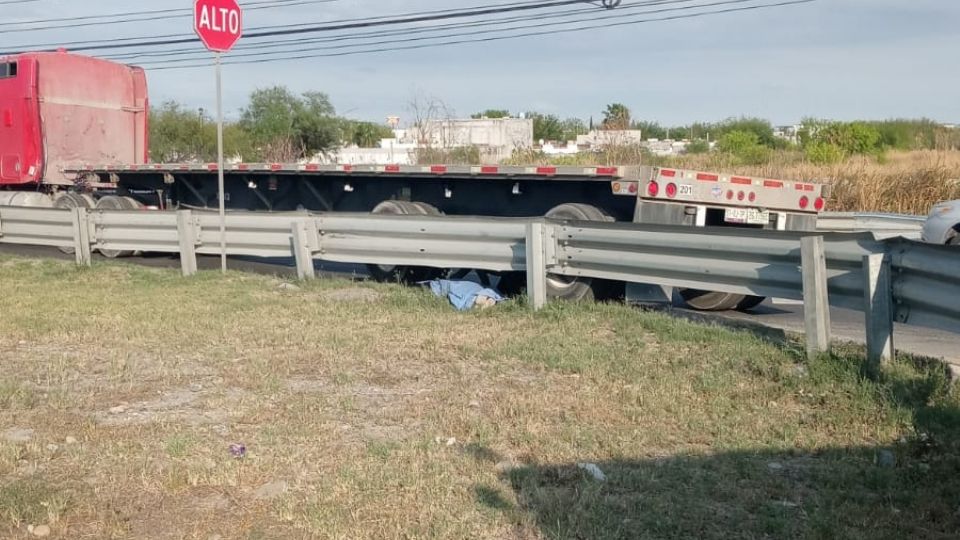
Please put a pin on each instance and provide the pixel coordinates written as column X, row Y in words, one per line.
column 59, row 108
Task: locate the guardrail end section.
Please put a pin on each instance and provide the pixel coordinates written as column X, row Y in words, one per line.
column 81, row 237
column 816, row 305
column 536, row 265
column 187, row 234
column 878, row 302
column 302, row 252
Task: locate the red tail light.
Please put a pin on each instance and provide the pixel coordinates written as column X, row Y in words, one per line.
column 741, row 196
column 671, row 190
column 804, row 202
column 730, row 195
column 819, row 204
column 753, row 197
column 653, row 189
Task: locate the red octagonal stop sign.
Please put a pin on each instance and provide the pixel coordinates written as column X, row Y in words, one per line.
column 219, row 23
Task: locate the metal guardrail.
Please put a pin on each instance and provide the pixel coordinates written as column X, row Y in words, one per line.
column 495, row 244
column 37, row 226
column 915, row 283
column 883, row 225
column 926, row 284
column 738, row 261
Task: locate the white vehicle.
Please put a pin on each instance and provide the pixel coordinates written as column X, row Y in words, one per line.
column 943, row 224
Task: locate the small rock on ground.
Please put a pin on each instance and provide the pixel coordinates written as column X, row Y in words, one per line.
column 593, row 470
column 40, row 531
column 70, row 440
column 270, row 490
column 288, row 287
column 18, row 435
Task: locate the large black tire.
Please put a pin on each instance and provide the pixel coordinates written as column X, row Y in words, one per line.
column 955, row 241
column 114, row 202
column 71, row 201
column 711, row 301
column 750, row 302
column 404, row 274
column 577, row 289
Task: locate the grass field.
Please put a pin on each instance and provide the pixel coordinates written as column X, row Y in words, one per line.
column 899, row 182
column 375, row 411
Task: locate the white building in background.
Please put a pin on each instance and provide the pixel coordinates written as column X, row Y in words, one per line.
column 599, row 138
column 788, row 133
column 497, row 138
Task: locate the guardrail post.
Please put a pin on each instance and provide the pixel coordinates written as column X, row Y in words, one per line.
column 878, row 308
column 187, row 235
column 536, row 265
column 301, row 250
column 81, row 237
column 816, row 305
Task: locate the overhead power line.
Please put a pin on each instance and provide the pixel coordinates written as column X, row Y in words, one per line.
column 488, row 39
column 404, row 32
column 348, row 26
column 141, row 16
column 72, row 44
column 17, row 2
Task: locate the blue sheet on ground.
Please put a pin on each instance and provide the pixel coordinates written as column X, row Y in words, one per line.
column 462, row 294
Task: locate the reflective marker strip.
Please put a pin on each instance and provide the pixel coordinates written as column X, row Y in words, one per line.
column 741, row 180
column 704, row 177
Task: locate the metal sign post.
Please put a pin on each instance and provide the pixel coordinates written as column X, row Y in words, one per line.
column 219, row 24
column 220, row 187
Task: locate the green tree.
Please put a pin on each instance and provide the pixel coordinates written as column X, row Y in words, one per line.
column 745, row 146
column 285, row 126
column 573, row 127
column 758, row 126
column 823, row 153
column 698, row 146
column 367, row 134
column 491, row 113
column 546, row 127
column 849, row 137
column 616, row 116
column 180, row 134
column 650, row 130
column 177, row 134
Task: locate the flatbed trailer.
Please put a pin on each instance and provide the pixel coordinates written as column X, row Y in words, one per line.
column 74, row 133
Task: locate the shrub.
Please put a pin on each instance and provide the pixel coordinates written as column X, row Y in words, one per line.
column 745, row 146
column 698, row 146
column 823, row 153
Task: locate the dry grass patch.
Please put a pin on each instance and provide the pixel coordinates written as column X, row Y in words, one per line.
column 372, row 411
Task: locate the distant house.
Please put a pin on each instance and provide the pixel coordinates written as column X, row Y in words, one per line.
column 598, row 138
column 497, row 138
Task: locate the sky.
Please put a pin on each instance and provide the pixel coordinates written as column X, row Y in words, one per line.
column 839, row 59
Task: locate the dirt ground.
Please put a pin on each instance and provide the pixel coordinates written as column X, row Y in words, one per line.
column 138, row 404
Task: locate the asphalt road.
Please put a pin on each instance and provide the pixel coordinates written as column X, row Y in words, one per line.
column 772, row 317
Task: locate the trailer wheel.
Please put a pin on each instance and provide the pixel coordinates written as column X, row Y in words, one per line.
column 710, row 300
column 397, row 273
column 113, row 202
column 577, row 289
column 71, row 201
column 750, row 302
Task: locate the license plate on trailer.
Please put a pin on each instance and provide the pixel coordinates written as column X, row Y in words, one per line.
column 747, row 216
